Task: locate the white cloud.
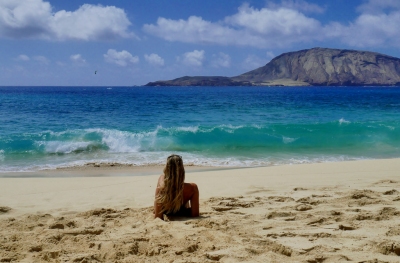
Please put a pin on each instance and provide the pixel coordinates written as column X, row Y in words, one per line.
column 221, row 60
column 378, row 6
column 35, row 19
column 23, row 57
column 193, row 30
column 249, row 27
column 374, row 27
column 154, row 59
column 194, row 58
column 252, row 62
column 270, row 54
column 299, row 5
column 41, row 59
column 77, row 58
column 285, row 24
column 122, row 58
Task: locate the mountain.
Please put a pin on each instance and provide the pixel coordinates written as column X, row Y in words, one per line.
column 316, row 67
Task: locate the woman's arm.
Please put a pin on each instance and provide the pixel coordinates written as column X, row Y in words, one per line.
column 191, row 193
column 157, row 206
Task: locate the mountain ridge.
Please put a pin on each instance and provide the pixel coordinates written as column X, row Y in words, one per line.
column 309, row 67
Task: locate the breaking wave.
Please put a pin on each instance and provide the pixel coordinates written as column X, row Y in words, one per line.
column 221, row 145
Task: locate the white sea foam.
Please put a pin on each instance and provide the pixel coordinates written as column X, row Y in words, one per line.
column 230, row 128
column 63, row 147
column 2, row 155
column 158, row 158
column 193, row 129
column 343, row 121
column 196, row 129
column 259, row 127
column 388, row 126
column 287, row 140
column 224, row 127
column 122, row 142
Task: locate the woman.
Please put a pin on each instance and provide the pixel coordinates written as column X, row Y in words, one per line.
column 174, row 196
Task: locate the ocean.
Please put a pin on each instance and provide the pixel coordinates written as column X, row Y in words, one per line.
column 54, row 127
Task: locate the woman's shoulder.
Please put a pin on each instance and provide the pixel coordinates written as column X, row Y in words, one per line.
column 160, row 182
column 191, row 187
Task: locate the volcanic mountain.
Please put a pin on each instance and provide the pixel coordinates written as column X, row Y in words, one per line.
column 315, row 67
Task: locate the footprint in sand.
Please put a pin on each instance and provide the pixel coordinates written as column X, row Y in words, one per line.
column 257, row 190
column 346, row 227
column 303, row 207
column 386, row 182
column 4, row 209
column 391, row 192
column 280, row 199
column 389, row 247
column 309, row 200
column 299, row 189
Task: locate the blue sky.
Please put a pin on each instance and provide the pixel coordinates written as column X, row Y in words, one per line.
column 63, row 42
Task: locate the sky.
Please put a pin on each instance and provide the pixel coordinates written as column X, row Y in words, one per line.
column 133, row 42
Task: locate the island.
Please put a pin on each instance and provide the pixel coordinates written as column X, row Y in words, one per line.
column 309, row 67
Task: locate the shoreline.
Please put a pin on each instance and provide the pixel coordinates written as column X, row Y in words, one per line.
column 321, row 212
column 121, row 169
column 108, row 171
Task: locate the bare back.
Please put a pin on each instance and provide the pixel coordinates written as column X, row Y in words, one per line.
column 190, row 198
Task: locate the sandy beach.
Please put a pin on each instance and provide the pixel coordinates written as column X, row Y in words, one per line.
column 326, row 212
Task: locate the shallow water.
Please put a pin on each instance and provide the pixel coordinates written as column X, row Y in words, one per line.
column 51, row 127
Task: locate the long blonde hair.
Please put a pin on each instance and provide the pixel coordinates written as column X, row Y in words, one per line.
column 171, row 195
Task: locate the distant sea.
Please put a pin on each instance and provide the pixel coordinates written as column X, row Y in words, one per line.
column 53, row 127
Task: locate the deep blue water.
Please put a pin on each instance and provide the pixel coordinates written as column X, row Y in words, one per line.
column 49, row 127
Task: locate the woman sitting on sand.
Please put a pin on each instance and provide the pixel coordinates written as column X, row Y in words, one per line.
column 173, row 196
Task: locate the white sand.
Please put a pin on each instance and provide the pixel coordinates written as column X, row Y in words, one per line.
column 330, row 212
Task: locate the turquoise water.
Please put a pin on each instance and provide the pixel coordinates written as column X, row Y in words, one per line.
column 50, row 127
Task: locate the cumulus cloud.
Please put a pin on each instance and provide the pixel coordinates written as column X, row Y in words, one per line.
column 377, row 6
column 285, row 24
column 42, row 60
column 270, row 55
column 376, row 26
column 23, row 57
column 77, row 58
column 122, row 58
column 249, row 27
column 252, row 62
column 154, row 59
column 194, row 30
column 35, row 19
column 221, row 60
column 194, row 58
column 299, row 5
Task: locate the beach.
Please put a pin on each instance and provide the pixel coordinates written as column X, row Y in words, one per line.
column 322, row 212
